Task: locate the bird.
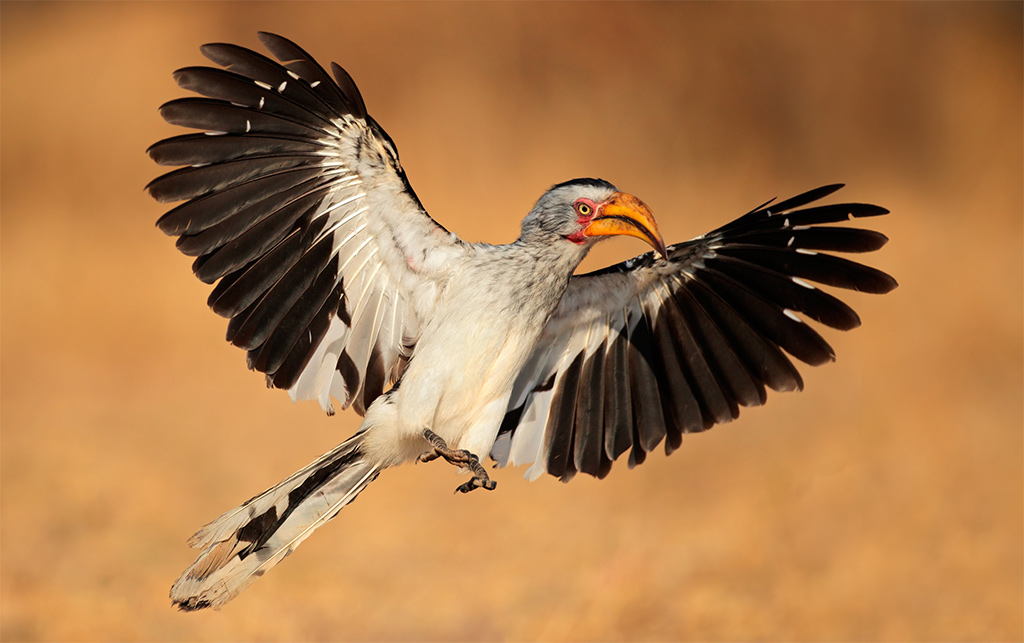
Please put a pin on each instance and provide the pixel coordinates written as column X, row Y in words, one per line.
column 343, row 290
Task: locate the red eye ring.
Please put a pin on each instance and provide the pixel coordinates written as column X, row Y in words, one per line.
column 584, row 209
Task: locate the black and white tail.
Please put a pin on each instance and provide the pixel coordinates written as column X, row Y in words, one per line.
column 245, row 542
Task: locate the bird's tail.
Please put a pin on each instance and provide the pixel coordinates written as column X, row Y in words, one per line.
column 245, row 542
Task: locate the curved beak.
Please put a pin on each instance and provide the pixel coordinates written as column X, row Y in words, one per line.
column 625, row 214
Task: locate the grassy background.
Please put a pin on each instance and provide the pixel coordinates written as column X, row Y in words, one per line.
column 882, row 503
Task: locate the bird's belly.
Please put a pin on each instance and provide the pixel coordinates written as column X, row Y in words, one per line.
column 459, row 382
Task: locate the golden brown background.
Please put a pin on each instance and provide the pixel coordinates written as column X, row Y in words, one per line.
column 882, row 503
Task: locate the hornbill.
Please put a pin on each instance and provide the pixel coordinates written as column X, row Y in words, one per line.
column 339, row 286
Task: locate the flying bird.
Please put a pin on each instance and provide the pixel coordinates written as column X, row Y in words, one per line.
column 341, row 287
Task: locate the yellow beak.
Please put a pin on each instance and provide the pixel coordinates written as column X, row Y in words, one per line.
column 628, row 215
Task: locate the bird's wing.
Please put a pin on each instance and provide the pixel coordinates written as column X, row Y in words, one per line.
column 296, row 202
column 650, row 348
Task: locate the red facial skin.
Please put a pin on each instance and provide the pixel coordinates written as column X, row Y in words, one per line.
column 579, row 238
column 621, row 214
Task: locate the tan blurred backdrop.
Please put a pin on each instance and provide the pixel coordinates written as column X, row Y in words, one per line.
column 882, row 503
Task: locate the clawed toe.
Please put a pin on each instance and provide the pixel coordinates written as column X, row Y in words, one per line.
column 459, row 457
column 476, row 483
column 428, row 456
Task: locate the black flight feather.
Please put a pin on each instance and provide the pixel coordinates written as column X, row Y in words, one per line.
column 618, row 411
column 200, row 148
column 346, row 96
column 558, row 448
column 258, row 67
column 588, row 417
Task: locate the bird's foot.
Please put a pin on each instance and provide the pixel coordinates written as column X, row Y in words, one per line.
column 476, row 482
column 428, row 456
column 460, row 458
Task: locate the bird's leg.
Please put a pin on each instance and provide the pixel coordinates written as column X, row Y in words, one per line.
column 458, row 457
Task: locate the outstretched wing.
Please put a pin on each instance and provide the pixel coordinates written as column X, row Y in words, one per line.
column 296, row 202
column 648, row 349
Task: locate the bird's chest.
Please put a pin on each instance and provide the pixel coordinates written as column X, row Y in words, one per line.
column 485, row 326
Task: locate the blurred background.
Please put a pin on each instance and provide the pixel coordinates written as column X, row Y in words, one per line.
column 882, row 503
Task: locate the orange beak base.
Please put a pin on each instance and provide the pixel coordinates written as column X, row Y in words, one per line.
column 624, row 214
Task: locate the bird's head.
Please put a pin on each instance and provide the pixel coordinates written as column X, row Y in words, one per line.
column 583, row 211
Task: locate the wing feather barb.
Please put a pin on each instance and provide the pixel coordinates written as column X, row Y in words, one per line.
column 763, row 358
column 587, row 455
column 268, row 191
column 560, row 438
column 278, row 301
column 736, row 383
column 241, row 91
column 345, row 93
column 190, row 182
column 272, row 76
column 680, row 407
column 702, row 385
column 823, row 268
column 295, row 323
column 301, row 352
column 219, row 116
column 618, row 411
column 834, row 239
column 233, row 295
column 648, row 419
column 203, row 150
column 234, row 249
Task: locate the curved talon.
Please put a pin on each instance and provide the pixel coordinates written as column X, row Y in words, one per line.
column 428, row 456
column 476, row 483
column 460, row 458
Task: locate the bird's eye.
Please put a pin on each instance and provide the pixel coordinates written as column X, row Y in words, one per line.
column 584, row 209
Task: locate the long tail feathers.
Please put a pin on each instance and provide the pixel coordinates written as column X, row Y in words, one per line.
column 245, row 542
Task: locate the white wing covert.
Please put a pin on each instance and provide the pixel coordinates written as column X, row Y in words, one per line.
column 296, row 202
column 649, row 349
